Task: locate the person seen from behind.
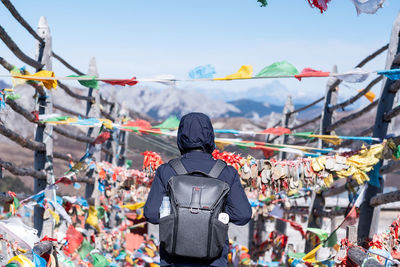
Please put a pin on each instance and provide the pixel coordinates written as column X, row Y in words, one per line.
column 196, row 196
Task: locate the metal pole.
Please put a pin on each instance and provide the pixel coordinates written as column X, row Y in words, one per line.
column 368, row 222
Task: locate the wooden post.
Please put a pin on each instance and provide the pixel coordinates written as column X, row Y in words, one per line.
column 368, row 222
column 43, row 160
column 109, row 143
column 330, row 100
column 351, row 233
column 122, row 136
column 355, row 254
column 289, row 107
column 318, row 200
column 116, row 132
column 91, row 190
column 314, row 221
column 280, row 225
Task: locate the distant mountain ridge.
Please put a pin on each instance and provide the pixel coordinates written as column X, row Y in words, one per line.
column 160, row 104
column 164, row 103
column 250, row 108
column 254, row 109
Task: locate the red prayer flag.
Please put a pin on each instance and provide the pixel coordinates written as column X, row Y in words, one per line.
column 46, row 238
column 64, row 180
column 137, row 123
column 396, row 254
column 322, row 5
column 74, row 239
column 151, row 131
column 11, row 193
column 295, row 226
column 309, row 72
column 101, row 138
column 133, row 241
column 351, row 218
column 124, row 82
column 277, row 131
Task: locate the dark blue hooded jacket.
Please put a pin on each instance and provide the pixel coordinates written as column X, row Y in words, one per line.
column 196, row 143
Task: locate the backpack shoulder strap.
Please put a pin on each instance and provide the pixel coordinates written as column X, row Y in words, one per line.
column 178, row 167
column 218, row 167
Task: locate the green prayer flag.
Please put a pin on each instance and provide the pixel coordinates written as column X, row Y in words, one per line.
column 170, row 123
column 60, row 118
column 85, row 249
column 305, row 135
column 322, row 235
column 13, row 96
column 397, row 153
column 128, row 163
column 332, row 240
column 16, row 203
column 12, row 264
column 263, row 3
column 133, row 128
column 66, row 262
column 267, row 200
column 245, row 145
column 16, row 70
column 100, row 212
column 278, row 69
column 87, row 83
column 294, row 255
column 99, row 260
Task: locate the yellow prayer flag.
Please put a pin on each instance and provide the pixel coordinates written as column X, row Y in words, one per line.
column 245, row 71
column 15, row 81
column 318, row 164
column 129, row 259
column 107, row 123
column 222, row 143
column 149, row 252
column 332, row 139
column 22, row 260
column 141, row 214
column 67, row 121
column 310, row 257
column 92, row 218
column 55, row 216
column 134, row 206
column 39, row 76
column 369, row 95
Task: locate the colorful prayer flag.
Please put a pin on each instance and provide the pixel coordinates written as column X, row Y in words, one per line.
column 309, row 72
column 202, row 72
column 281, row 68
column 87, row 83
column 245, row 72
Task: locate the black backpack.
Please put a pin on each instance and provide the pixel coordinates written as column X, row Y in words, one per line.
column 193, row 229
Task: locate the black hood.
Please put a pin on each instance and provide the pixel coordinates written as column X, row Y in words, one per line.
column 195, row 132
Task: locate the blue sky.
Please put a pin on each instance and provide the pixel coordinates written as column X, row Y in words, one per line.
column 149, row 38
